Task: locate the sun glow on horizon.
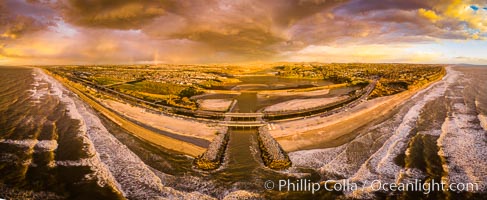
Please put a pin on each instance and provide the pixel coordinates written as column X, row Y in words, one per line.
column 127, row 32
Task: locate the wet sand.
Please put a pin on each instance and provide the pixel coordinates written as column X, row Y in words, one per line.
column 136, row 130
column 336, row 129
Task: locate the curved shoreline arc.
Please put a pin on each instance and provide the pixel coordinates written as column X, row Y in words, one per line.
column 135, row 129
column 339, row 130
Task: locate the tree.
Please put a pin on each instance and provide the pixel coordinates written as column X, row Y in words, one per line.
column 188, row 92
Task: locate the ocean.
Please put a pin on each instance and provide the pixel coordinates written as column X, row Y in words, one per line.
column 53, row 146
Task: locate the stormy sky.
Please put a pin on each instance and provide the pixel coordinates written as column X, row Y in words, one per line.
column 242, row 31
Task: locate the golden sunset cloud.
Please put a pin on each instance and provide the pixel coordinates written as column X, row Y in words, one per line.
column 231, row 31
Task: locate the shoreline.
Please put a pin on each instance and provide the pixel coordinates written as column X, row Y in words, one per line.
column 293, row 135
column 135, row 129
column 337, row 129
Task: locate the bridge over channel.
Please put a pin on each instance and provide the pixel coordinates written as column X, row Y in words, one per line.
column 247, row 124
column 234, row 119
column 243, row 119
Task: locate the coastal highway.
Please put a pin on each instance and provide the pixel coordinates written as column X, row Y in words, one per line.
column 219, row 117
column 354, row 103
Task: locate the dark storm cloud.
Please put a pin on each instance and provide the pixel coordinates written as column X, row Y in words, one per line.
column 360, row 6
column 381, row 22
column 263, row 28
column 18, row 18
column 17, row 26
column 252, row 41
column 119, row 14
column 248, row 27
column 216, row 30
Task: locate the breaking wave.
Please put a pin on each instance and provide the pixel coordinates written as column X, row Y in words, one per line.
column 482, row 118
column 105, row 177
column 461, row 142
column 381, row 165
column 458, row 135
column 113, row 162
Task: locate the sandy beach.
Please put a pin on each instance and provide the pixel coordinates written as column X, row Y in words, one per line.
column 171, row 124
column 336, row 129
column 136, row 130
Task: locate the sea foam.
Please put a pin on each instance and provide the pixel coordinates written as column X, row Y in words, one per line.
column 463, row 144
column 113, row 162
column 380, row 164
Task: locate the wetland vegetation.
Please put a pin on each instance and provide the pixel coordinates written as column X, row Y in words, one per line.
column 170, row 85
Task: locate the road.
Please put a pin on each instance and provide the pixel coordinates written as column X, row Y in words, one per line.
column 219, row 117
